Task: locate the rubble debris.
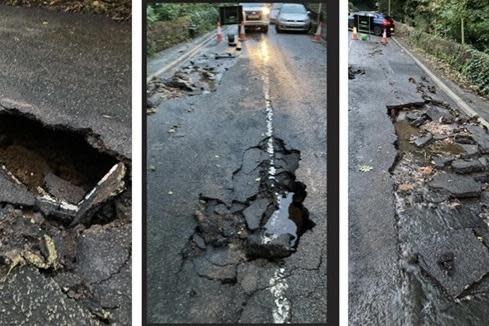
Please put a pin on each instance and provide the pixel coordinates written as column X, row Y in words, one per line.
column 440, row 190
column 199, row 76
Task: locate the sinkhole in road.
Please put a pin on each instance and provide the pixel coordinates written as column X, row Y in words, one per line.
column 69, row 171
column 440, row 179
column 41, row 156
column 267, row 216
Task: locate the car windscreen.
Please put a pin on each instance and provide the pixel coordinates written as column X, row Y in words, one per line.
column 293, row 9
column 252, row 4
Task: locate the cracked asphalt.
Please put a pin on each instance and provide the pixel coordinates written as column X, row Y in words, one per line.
column 387, row 285
column 195, row 145
column 70, row 71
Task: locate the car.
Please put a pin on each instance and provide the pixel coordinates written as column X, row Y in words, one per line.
column 274, row 12
column 293, row 17
column 256, row 16
column 380, row 22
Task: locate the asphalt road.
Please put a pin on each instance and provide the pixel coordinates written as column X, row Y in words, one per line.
column 74, row 69
column 212, row 132
column 383, row 289
column 71, row 71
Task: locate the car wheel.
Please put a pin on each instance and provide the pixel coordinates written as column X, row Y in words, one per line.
column 265, row 30
column 278, row 29
column 378, row 30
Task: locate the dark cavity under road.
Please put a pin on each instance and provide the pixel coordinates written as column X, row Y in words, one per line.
column 227, row 161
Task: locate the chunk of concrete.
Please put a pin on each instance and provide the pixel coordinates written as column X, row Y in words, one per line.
column 456, row 259
column 456, row 185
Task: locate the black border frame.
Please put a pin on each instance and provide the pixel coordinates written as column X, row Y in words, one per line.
column 333, row 105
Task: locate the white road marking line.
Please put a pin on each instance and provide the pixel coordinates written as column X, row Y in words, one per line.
column 278, row 284
column 278, row 287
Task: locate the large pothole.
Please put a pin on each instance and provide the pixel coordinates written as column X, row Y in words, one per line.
column 265, row 220
column 440, row 179
column 68, row 176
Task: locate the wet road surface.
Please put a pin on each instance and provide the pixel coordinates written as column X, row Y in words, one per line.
column 65, row 105
column 203, row 153
column 417, row 243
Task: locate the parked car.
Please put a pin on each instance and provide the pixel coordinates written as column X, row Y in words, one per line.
column 293, row 17
column 256, row 16
column 380, row 22
column 274, row 12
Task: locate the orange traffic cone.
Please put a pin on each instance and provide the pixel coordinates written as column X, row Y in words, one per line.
column 242, row 34
column 354, row 34
column 219, row 36
column 317, row 36
column 384, row 37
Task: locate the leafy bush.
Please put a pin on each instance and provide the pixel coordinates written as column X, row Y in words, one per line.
column 471, row 63
column 169, row 23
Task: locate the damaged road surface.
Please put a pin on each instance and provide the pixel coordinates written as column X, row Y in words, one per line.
column 65, row 172
column 237, row 185
column 430, row 167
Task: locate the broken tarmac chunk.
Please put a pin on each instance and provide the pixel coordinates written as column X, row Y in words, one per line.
column 439, row 115
column 441, row 161
column 456, row 185
column 63, row 189
column 108, row 187
column 423, row 140
column 480, row 136
column 467, row 166
column 469, row 150
column 456, row 259
column 254, row 213
column 265, row 245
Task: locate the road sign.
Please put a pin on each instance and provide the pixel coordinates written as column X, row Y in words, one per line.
column 230, row 15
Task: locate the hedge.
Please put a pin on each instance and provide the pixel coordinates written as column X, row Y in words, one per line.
column 471, row 63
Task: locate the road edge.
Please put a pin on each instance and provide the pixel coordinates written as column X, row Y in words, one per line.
column 186, row 55
column 467, row 109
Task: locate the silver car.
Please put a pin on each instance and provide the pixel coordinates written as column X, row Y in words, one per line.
column 293, row 17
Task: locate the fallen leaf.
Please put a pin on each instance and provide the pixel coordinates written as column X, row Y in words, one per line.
column 365, row 168
column 406, row 187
